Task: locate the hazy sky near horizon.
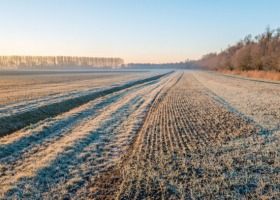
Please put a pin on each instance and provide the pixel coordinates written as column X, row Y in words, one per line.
column 139, row 31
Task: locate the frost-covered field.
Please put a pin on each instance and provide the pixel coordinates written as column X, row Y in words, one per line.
column 259, row 101
column 35, row 96
column 140, row 135
column 61, row 153
column 200, row 141
column 23, row 85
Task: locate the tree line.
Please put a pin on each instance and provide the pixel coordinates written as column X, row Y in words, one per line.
column 259, row 53
column 58, row 62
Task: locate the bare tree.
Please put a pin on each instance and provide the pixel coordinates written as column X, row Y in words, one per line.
column 260, row 53
column 58, row 62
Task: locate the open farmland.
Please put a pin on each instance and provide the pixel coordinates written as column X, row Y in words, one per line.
column 34, row 96
column 180, row 135
column 26, row 85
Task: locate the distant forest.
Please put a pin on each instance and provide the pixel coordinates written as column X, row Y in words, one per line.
column 259, row 53
column 58, row 62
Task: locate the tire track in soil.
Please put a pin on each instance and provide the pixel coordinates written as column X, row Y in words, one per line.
column 11, row 123
column 88, row 146
column 181, row 122
column 35, row 135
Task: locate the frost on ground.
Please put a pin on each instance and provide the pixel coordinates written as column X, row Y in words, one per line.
column 186, row 135
column 20, row 114
column 256, row 100
column 193, row 147
column 24, row 86
column 57, row 156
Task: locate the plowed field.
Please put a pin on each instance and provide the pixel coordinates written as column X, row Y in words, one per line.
column 181, row 135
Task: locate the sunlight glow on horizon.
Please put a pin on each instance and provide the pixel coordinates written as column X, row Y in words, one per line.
column 147, row 31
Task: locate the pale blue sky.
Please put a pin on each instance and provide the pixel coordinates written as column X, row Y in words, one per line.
column 138, row 31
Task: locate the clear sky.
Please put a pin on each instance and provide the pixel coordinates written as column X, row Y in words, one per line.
column 136, row 30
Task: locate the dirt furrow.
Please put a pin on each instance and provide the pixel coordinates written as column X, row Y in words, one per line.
column 16, row 121
column 58, row 126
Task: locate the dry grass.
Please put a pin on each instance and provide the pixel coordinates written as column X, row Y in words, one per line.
column 268, row 75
